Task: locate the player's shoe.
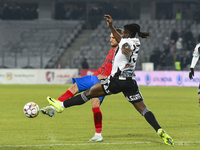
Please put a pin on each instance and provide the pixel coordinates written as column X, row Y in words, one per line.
column 96, row 138
column 165, row 137
column 48, row 111
column 55, row 103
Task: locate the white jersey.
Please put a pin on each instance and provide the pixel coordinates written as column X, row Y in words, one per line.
column 124, row 64
column 195, row 55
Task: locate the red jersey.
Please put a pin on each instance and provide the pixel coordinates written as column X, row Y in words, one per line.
column 106, row 67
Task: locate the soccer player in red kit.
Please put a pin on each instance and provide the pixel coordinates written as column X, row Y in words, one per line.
column 86, row 82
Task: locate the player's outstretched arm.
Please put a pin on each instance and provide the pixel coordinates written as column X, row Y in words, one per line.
column 191, row 73
column 113, row 30
column 193, row 64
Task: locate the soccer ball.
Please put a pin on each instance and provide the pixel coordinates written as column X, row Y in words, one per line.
column 31, row 110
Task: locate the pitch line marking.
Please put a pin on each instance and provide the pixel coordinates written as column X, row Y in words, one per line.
column 97, row 143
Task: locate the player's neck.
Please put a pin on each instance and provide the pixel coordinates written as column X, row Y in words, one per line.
column 115, row 47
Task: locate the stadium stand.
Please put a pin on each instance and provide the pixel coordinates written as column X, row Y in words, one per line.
column 97, row 46
column 41, row 43
column 35, row 44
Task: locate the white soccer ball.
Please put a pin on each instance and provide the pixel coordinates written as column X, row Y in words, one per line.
column 31, row 110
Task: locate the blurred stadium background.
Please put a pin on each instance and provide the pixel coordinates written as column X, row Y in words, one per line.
column 45, row 33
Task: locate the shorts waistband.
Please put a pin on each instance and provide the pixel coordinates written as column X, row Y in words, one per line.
column 125, row 78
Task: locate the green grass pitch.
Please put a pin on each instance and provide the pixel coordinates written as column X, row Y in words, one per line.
column 176, row 109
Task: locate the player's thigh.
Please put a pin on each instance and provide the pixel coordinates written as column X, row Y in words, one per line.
column 131, row 92
column 111, row 85
column 74, row 89
column 85, row 82
column 95, row 91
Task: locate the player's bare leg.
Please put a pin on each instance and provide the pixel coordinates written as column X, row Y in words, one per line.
column 95, row 91
column 69, row 93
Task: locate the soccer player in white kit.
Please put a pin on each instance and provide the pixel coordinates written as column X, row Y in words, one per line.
column 195, row 59
column 122, row 78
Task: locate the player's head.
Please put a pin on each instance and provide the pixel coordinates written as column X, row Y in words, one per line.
column 113, row 41
column 130, row 30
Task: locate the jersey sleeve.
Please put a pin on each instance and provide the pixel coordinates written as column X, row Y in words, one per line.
column 126, row 41
column 132, row 42
column 196, row 51
column 195, row 56
column 106, row 67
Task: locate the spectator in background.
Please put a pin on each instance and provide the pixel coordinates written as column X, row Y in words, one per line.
column 166, row 44
column 154, row 58
column 177, row 62
column 189, row 39
column 172, row 46
column 182, row 35
column 162, row 60
column 189, row 35
column 174, row 35
column 176, row 57
column 190, row 45
column 178, row 14
column 169, row 61
column 179, row 46
column 84, row 64
column 185, row 60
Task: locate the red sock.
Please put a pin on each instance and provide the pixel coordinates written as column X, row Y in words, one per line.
column 97, row 119
column 65, row 96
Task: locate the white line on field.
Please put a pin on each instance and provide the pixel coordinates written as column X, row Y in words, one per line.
column 97, row 143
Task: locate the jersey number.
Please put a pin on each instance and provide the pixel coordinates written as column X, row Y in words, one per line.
column 133, row 59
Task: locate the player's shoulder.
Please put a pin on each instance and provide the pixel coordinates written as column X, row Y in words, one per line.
column 111, row 51
column 135, row 41
column 132, row 40
column 198, row 45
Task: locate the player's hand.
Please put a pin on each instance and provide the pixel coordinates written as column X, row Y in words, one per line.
column 191, row 73
column 100, row 76
column 109, row 20
column 126, row 49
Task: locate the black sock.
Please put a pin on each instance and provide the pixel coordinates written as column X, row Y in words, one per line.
column 77, row 100
column 149, row 116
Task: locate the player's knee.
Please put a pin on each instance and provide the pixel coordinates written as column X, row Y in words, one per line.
column 88, row 93
column 144, row 111
column 74, row 88
column 95, row 102
column 84, row 97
